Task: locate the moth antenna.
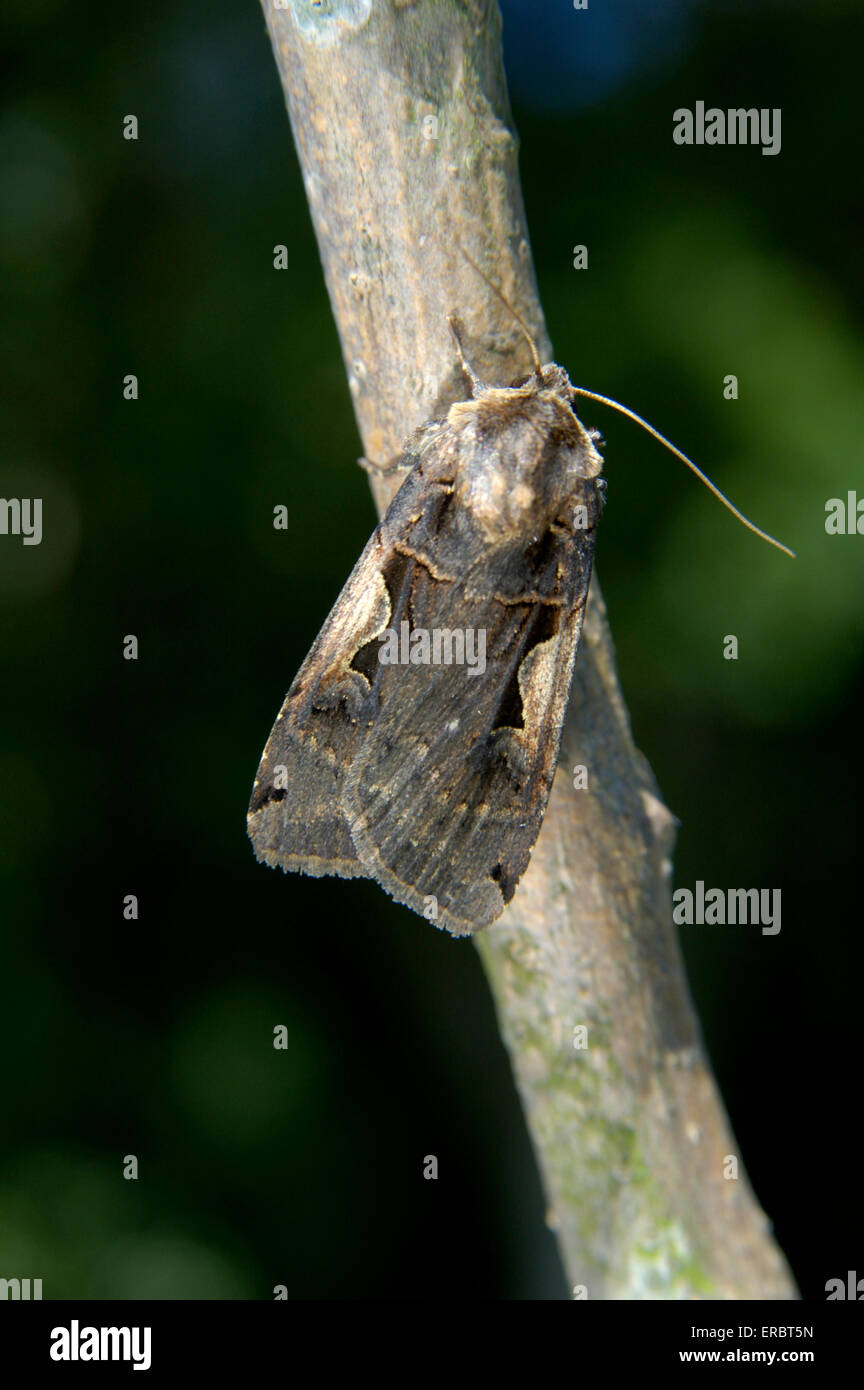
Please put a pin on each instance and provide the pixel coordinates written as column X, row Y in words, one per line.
column 538, row 370
column 631, row 415
column 456, row 328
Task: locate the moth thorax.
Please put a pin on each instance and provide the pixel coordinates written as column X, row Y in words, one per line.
column 503, row 505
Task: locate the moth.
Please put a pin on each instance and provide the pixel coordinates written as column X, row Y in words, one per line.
column 432, row 776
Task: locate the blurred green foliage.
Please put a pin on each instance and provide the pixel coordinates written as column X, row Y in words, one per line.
column 261, row 1167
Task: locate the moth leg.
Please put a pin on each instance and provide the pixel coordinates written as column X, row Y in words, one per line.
column 383, row 470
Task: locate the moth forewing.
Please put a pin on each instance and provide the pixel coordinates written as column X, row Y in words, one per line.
column 295, row 821
column 433, row 777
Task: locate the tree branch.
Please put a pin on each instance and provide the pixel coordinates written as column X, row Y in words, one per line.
column 400, row 115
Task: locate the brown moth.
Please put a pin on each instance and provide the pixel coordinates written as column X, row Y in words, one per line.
column 433, row 777
column 398, row 754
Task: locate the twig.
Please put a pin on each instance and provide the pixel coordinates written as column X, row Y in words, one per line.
column 400, row 116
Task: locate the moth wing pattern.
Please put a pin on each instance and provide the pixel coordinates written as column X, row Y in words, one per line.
column 447, row 790
column 295, row 819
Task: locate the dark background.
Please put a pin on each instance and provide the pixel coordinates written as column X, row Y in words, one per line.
column 153, row 1037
